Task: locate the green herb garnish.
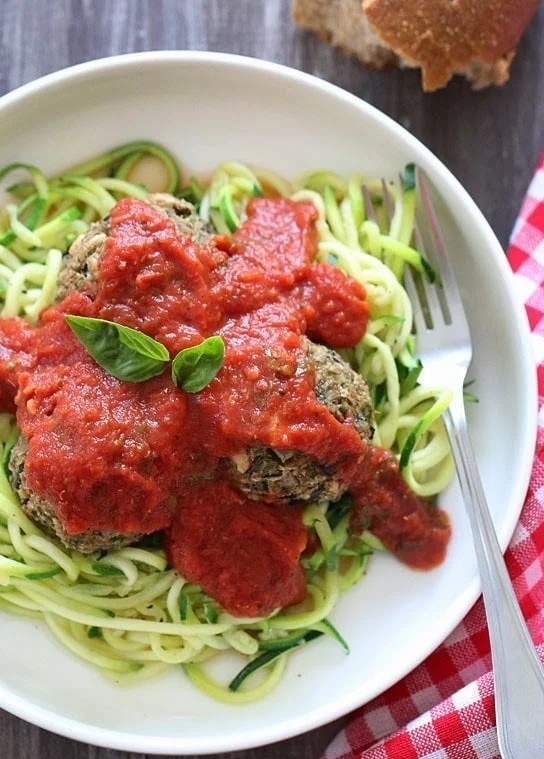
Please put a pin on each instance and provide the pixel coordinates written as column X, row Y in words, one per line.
column 125, row 353
column 194, row 368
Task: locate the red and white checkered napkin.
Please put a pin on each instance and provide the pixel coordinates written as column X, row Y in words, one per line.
column 444, row 709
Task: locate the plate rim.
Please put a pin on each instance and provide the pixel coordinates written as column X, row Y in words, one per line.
column 106, row 737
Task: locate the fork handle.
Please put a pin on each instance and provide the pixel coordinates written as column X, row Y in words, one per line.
column 519, row 678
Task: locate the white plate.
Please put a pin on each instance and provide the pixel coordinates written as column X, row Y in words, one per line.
column 208, row 108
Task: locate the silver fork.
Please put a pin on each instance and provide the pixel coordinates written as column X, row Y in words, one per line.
column 445, row 349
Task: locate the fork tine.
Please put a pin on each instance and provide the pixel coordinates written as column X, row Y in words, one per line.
column 436, row 307
column 434, row 293
column 449, row 288
column 388, row 204
column 431, row 308
column 429, row 301
column 369, row 206
column 420, row 322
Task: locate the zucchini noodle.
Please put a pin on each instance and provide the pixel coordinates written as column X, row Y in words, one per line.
column 125, row 611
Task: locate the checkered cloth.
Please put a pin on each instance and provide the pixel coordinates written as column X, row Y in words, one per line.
column 444, row 709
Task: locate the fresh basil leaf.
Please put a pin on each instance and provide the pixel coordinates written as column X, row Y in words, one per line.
column 125, row 353
column 194, row 368
column 142, row 344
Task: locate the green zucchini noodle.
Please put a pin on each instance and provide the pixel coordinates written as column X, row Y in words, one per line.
column 125, row 611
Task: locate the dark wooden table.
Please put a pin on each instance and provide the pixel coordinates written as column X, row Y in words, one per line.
column 490, row 140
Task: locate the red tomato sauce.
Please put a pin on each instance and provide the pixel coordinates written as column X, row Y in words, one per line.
column 141, row 457
column 238, row 548
column 413, row 529
column 16, row 340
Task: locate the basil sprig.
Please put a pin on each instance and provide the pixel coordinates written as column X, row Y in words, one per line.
column 131, row 356
column 125, row 353
column 194, row 368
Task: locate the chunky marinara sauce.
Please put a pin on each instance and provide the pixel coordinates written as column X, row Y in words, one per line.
column 140, row 457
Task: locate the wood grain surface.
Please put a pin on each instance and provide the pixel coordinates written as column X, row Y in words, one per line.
column 490, row 140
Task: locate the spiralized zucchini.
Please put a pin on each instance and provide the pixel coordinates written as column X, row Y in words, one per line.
column 125, row 611
column 47, row 215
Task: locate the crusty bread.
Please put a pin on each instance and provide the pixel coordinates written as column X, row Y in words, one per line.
column 476, row 38
column 344, row 25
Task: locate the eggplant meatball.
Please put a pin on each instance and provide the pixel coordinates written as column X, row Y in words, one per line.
column 42, row 511
column 284, row 475
column 80, row 265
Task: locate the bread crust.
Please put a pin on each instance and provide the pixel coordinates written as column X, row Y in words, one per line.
column 343, row 24
column 477, row 38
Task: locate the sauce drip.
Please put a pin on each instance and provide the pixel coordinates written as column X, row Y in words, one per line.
column 147, row 456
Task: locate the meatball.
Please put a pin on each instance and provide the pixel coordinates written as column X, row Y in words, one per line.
column 43, row 513
column 281, row 475
column 80, row 266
